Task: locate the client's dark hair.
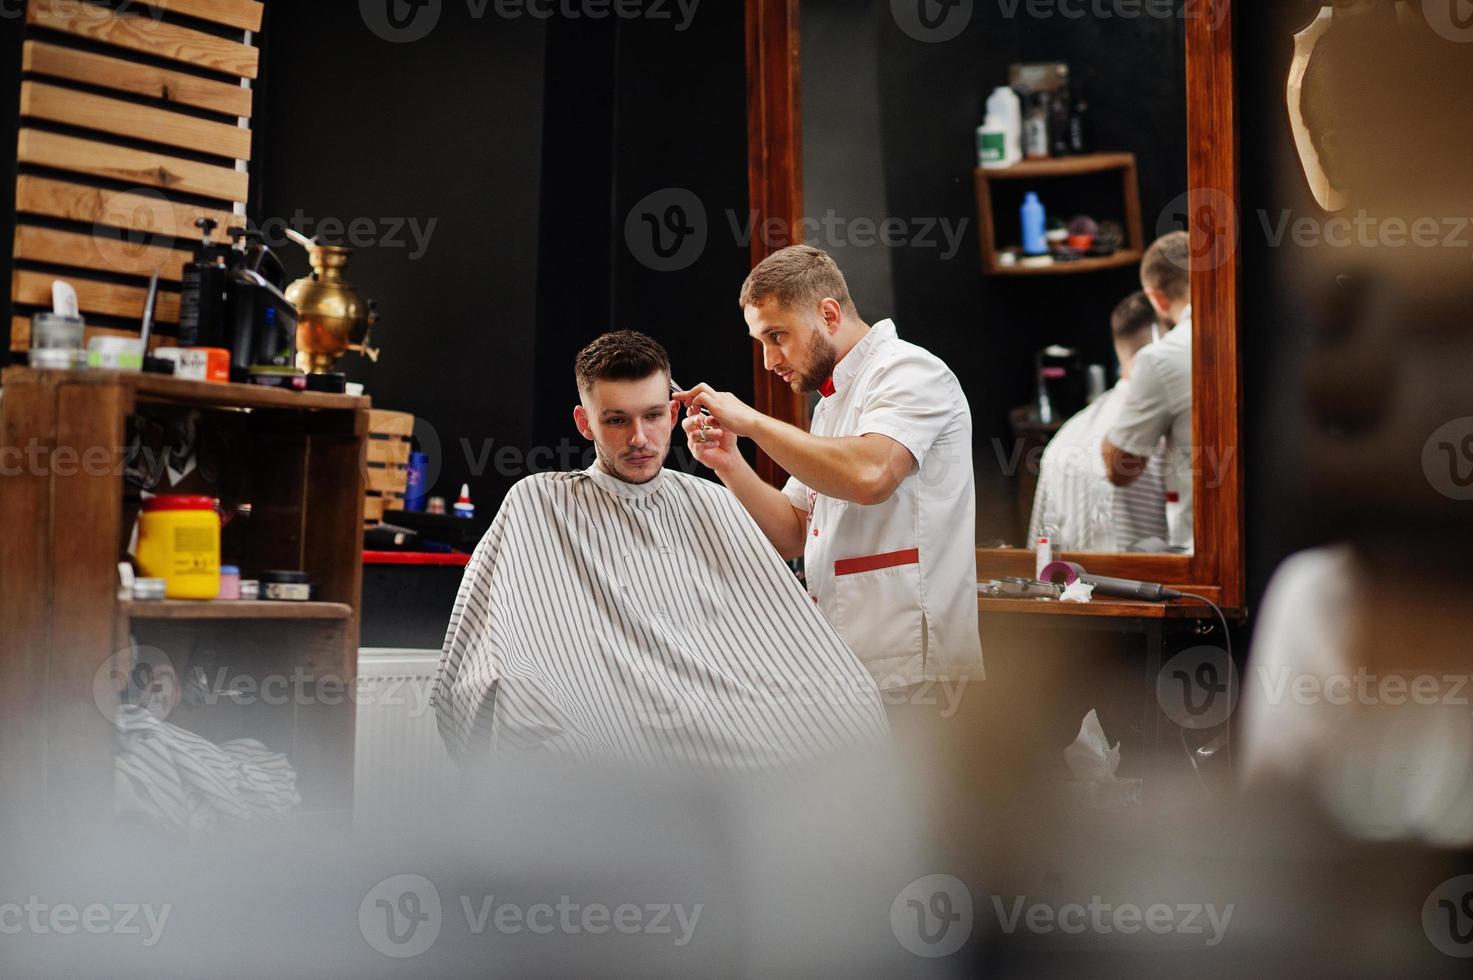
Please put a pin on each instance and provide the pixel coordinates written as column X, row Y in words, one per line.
column 1132, row 321
column 623, row 355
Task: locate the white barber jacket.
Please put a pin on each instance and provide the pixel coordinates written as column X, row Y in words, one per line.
column 898, row 580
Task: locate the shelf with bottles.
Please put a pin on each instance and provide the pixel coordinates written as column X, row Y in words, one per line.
column 1085, row 183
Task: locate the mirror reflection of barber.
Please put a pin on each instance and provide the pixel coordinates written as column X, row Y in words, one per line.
column 881, row 502
column 1159, row 403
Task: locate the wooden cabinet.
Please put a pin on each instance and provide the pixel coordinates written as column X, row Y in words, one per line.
column 279, row 672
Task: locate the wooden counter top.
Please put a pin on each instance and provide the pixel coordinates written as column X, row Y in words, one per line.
column 1103, row 609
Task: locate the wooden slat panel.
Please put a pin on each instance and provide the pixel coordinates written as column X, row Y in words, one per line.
column 139, row 79
column 136, row 166
column 244, row 15
column 373, row 509
column 139, row 32
column 392, row 480
column 116, row 209
column 96, row 252
column 20, row 335
column 382, row 422
column 395, row 451
column 34, row 289
column 42, row 101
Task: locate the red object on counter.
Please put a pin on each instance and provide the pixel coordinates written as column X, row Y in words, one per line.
column 415, row 558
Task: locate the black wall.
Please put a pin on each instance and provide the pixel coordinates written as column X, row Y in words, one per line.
column 445, row 128
column 528, row 142
column 640, row 116
column 1276, row 310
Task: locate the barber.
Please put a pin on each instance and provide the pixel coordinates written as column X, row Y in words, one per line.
column 881, row 502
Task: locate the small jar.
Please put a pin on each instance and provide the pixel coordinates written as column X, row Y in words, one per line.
column 149, row 589
column 250, row 589
column 229, row 582
column 286, row 586
column 52, row 331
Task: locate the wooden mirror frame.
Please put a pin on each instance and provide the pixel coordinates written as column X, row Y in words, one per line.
column 775, row 177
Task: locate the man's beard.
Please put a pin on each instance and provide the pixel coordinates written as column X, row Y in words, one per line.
column 611, row 463
column 821, row 368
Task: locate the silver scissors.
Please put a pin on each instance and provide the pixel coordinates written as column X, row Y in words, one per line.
column 675, row 389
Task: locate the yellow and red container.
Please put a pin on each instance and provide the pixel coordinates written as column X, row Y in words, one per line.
column 179, row 542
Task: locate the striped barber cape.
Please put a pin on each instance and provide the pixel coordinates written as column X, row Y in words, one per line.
column 650, row 624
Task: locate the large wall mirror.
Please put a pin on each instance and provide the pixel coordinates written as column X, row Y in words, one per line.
column 871, row 122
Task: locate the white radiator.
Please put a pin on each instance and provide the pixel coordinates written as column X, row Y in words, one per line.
column 401, row 765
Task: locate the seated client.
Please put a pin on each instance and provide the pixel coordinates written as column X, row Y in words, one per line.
column 630, row 613
column 1075, row 502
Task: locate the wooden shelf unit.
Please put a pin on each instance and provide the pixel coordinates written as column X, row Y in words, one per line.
column 179, row 609
column 1086, row 165
column 1123, row 259
column 298, row 457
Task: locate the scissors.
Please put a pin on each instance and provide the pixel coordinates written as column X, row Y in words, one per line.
column 675, row 389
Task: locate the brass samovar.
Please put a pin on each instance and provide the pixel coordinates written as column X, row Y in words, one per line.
column 332, row 318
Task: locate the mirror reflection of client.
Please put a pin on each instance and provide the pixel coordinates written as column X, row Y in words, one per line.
column 1081, row 508
column 1159, row 402
column 634, row 614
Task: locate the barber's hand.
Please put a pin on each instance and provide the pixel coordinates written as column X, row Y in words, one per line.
column 728, row 411
column 712, row 446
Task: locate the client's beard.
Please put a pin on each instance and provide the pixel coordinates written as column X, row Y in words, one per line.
column 821, row 368
column 609, row 462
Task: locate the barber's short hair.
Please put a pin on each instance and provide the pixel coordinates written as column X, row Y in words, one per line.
column 798, row 276
column 1167, row 266
column 622, row 355
column 1132, row 321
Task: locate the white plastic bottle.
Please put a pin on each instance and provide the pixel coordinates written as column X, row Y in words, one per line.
column 1005, row 115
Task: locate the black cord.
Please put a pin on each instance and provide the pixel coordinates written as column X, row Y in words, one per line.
column 1227, row 637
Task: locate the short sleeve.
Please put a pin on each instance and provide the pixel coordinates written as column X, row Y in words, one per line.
column 798, row 495
column 1146, row 415
column 912, row 401
column 1301, row 633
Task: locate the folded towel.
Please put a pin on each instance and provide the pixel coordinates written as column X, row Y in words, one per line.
column 188, row 783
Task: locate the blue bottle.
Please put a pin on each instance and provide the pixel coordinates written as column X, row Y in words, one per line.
column 1034, row 242
column 416, row 491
